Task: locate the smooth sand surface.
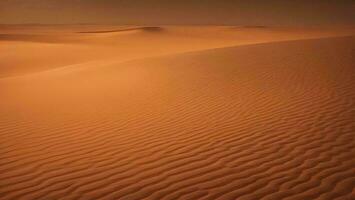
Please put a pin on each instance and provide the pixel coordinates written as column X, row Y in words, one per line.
column 133, row 113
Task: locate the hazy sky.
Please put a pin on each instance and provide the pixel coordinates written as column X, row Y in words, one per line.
column 155, row 12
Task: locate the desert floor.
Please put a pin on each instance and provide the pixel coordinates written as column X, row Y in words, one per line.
column 173, row 112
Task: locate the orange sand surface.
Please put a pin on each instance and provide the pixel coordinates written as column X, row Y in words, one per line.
column 174, row 112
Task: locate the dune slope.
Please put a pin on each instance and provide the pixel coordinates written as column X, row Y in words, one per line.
column 262, row 121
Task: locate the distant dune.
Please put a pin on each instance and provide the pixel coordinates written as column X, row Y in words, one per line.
column 256, row 26
column 25, row 48
column 148, row 29
column 187, row 113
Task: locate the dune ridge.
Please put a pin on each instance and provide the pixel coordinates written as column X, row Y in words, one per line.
column 261, row 121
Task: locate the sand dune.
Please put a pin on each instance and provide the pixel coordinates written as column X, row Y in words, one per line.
column 23, row 51
column 226, row 119
column 147, row 28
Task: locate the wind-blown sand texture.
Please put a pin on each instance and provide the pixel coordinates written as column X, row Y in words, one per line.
column 134, row 113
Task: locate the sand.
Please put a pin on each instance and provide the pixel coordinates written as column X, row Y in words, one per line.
column 172, row 112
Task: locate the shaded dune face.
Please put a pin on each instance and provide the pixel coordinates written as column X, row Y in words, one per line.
column 271, row 120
